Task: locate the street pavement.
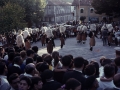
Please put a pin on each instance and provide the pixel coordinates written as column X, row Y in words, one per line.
column 78, row 49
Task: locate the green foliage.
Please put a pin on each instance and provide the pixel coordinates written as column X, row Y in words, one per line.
column 11, row 17
column 34, row 9
column 109, row 7
column 82, row 18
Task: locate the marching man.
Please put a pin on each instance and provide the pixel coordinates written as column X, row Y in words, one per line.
column 79, row 34
column 62, row 35
column 26, row 33
column 43, row 35
column 84, row 34
column 50, row 41
column 19, row 39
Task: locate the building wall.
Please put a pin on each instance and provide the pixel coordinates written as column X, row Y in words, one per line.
column 58, row 14
column 89, row 14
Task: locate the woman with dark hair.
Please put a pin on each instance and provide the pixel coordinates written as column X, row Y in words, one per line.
column 96, row 67
column 72, row 84
column 56, row 61
column 25, row 83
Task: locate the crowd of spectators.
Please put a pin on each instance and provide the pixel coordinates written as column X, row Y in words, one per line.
column 25, row 70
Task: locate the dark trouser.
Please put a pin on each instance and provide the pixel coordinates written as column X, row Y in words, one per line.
column 104, row 41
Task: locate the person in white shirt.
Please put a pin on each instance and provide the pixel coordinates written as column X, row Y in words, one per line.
column 4, row 84
column 109, row 71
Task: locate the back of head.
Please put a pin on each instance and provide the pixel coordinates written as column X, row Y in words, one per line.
column 23, row 54
column 35, row 80
column 29, row 52
column 117, row 61
column 72, row 84
column 48, row 59
column 66, row 60
column 29, row 60
column 18, row 60
column 109, row 70
column 89, row 70
column 42, row 67
column 54, row 54
column 48, row 74
column 78, row 62
column 2, row 67
column 106, row 61
column 29, row 68
column 116, row 80
column 35, row 49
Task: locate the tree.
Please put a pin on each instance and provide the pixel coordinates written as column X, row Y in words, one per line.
column 109, row 7
column 11, row 17
column 34, row 9
column 82, row 18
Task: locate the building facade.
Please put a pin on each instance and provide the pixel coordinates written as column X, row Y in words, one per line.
column 58, row 11
column 86, row 10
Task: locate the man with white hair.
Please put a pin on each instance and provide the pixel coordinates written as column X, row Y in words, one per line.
column 19, row 39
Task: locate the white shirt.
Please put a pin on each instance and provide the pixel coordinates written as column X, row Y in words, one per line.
column 59, row 64
column 16, row 65
column 28, row 75
column 4, row 83
column 106, row 84
column 101, row 71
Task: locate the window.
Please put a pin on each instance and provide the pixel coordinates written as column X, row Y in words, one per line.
column 91, row 10
column 81, row 10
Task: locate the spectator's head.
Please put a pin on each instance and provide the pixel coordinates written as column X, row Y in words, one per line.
column 78, row 62
column 39, row 59
column 36, row 83
column 117, row 61
column 47, row 74
column 30, row 53
column 43, row 56
column 89, row 70
column 29, row 60
column 30, row 69
column 109, row 70
column 101, row 59
column 11, row 56
column 91, row 83
column 66, row 61
column 96, row 65
column 23, row 54
column 3, row 68
column 25, row 83
column 54, row 54
column 106, row 61
column 116, row 80
column 18, row 60
column 72, row 84
column 41, row 67
column 14, row 80
column 16, row 48
column 35, row 49
column 48, row 59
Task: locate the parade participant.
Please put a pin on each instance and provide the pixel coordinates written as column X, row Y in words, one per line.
column 84, row 34
column 104, row 32
column 79, row 33
column 62, row 35
column 49, row 41
column 117, row 37
column 92, row 35
column 19, row 39
column 34, row 35
column 27, row 44
column 110, row 34
column 43, row 35
column 25, row 33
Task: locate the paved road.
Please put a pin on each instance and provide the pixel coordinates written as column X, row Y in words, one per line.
column 77, row 49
